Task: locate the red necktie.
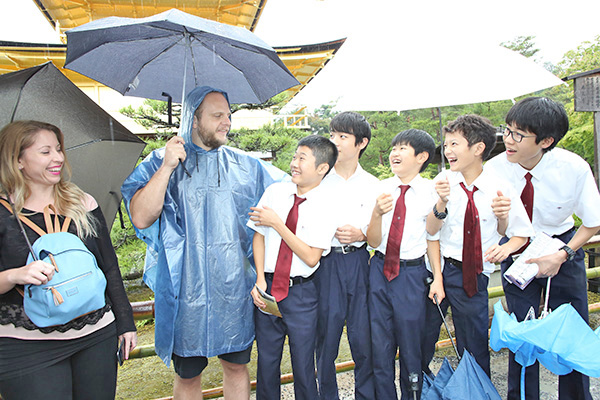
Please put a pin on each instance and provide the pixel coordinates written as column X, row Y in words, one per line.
column 281, row 278
column 472, row 258
column 391, row 264
column 527, row 200
column 527, row 196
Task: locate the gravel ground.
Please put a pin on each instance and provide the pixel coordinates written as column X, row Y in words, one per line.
column 499, row 367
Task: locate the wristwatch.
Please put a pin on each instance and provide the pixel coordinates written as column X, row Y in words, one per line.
column 569, row 251
column 440, row 215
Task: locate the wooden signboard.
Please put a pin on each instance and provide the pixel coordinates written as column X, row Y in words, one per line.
column 587, row 93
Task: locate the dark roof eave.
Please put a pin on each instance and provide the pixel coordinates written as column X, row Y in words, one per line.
column 581, row 74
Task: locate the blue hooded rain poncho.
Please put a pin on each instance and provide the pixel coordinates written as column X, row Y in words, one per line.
column 199, row 249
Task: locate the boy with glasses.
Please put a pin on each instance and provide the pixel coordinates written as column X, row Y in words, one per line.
column 554, row 184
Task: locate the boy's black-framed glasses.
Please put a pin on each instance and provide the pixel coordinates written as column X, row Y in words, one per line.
column 516, row 136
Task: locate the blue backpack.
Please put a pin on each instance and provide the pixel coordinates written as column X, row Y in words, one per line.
column 78, row 285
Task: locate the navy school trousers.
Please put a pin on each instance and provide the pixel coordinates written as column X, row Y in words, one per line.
column 299, row 324
column 470, row 317
column 397, row 314
column 568, row 286
column 342, row 282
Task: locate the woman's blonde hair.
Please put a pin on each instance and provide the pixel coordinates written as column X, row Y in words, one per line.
column 69, row 199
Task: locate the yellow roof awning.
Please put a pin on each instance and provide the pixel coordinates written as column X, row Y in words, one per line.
column 64, row 15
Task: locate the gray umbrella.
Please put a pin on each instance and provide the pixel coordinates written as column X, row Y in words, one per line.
column 174, row 52
column 101, row 151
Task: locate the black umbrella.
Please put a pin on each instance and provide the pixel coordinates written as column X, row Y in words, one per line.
column 101, row 151
column 171, row 53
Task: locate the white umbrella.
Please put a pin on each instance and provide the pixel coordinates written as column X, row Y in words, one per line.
column 380, row 72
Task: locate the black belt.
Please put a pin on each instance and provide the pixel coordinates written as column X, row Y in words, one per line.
column 296, row 280
column 347, row 249
column 407, row 263
column 573, row 229
column 456, row 263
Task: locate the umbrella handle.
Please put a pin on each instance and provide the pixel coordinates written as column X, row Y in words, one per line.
column 446, row 325
column 428, row 282
column 545, row 311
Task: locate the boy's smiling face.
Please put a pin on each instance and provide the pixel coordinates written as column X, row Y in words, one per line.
column 405, row 163
column 459, row 154
column 526, row 152
column 305, row 173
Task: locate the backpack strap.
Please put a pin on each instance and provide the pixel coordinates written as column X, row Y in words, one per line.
column 54, row 228
column 24, row 219
column 50, row 227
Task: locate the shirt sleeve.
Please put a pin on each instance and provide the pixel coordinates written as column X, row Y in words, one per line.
column 588, row 199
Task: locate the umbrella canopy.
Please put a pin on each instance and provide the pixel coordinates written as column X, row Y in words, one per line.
column 174, row 52
column 101, row 151
column 392, row 68
column 433, row 388
column 562, row 341
column 469, row 381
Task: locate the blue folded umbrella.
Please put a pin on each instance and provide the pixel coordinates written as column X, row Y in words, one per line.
column 469, row 381
column 433, row 387
column 562, row 341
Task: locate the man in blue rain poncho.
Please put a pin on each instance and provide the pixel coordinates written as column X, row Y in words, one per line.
column 193, row 218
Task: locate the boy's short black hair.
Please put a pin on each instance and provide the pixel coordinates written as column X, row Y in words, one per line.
column 322, row 148
column 540, row 116
column 354, row 124
column 475, row 129
column 419, row 140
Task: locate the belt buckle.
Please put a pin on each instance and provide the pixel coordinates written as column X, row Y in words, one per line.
column 345, row 248
column 291, row 282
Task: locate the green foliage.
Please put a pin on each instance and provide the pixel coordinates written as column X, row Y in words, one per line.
column 276, row 140
column 522, row 44
column 153, row 144
column 382, row 172
column 584, row 58
column 130, row 250
column 152, row 115
column 320, row 119
column 275, row 104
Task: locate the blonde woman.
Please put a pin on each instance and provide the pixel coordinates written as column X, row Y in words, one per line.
column 76, row 360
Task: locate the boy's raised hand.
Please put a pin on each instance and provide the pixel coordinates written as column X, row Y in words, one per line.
column 442, row 187
column 264, row 216
column 501, row 206
column 384, row 204
column 497, row 253
column 349, row 234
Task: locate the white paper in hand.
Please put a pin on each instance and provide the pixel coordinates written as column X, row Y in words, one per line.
column 521, row 273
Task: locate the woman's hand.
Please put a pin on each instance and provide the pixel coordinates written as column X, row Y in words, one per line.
column 35, row 273
column 129, row 342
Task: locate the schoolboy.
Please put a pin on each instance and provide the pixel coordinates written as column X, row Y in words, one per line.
column 561, row 185
column 342, row 278
column 293, row 228
column 397, row 288
column 473, row 211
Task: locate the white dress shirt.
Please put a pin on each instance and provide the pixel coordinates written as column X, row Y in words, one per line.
column 419, row 200
column 352, row 200
column 488, row 185
column 315, row 227
column 563, row 185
